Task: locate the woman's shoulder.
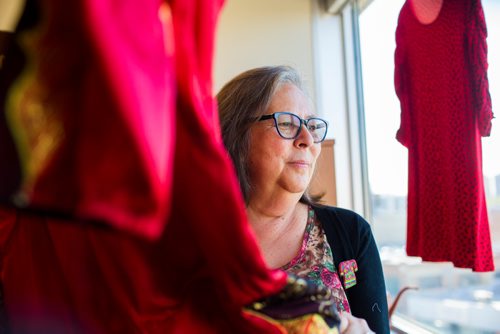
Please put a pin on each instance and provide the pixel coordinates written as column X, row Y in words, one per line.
column 343, row 225
column 343, row 216
column 346, row 231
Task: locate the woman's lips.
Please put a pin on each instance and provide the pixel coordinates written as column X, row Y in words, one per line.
column 300, row 163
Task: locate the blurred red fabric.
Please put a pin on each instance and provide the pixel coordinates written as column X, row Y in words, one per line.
column 158, row 240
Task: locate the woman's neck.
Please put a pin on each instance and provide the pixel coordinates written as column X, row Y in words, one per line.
column 274, row 205
column 279, row 229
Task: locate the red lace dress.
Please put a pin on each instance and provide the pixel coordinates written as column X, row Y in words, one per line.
column 441, row 81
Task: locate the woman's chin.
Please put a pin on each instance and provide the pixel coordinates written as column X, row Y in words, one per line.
column 297, row 187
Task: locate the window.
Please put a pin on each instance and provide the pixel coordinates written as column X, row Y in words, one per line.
column 450, row 300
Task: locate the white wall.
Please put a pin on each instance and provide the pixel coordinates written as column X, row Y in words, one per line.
column 332, row 92
column 254, row 33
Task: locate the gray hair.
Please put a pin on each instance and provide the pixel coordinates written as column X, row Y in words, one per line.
column 244, row 99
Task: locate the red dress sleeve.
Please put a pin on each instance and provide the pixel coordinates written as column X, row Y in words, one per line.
column 477, row 53
column 403, row 133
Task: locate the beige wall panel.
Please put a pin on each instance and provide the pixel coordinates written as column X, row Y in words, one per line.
column 255, row 33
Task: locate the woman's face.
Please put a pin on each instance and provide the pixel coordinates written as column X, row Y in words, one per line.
column 282, row 164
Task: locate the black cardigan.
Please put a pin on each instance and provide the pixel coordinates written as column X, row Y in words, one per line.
column 350, row 237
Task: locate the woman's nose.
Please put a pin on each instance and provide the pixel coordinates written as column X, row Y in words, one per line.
column 305, row 138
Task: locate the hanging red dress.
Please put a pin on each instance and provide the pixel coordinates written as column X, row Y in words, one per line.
column 441, row 81
column 136, row 220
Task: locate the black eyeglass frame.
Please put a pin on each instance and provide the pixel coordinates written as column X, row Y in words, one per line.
column 275, row 116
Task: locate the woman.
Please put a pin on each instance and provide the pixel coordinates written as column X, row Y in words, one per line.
column 273, row 137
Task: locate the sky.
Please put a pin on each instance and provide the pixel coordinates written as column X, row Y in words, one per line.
column 387, row 158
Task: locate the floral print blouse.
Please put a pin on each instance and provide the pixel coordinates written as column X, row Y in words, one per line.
column 315, row 262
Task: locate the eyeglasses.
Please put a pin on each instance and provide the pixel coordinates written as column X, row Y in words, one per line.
column 289, row 125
